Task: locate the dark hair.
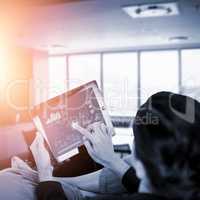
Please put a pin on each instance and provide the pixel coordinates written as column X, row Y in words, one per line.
column 168, row 144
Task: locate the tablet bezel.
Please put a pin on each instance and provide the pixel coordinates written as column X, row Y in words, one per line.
column 101, row 104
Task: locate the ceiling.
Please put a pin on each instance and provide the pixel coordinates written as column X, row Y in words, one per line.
column 36, row 2
column 62, row 26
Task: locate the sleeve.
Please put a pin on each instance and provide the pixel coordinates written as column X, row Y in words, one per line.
column 130, row 181
column 109, row 183
column 50, row 190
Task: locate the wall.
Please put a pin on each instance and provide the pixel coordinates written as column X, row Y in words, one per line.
column 40, row 77
column 15, row 83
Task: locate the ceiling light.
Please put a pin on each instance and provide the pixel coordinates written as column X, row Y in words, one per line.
column 178, row 38
column 152, row 10
column 57, row 46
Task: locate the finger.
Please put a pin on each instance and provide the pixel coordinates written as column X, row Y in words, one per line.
column 104, row 129
column 89, row 148
column 97, row 123
column 83, row 131
column 18, row 163
column 35, row 139
column 95, row 127
column 39, row 138
column 91, row 129
column 91, row 152
column 13, row 162
column 86, row 140
column 107, row 130
column 39, row 141
column 98, row 131
column 36, row 145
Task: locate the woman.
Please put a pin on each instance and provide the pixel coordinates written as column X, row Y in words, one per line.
column 167, row 151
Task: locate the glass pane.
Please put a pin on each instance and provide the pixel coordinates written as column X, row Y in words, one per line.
column 159, row 72
column 120, row 76
column 84, row 68
column 190, row 73
column 57, row 75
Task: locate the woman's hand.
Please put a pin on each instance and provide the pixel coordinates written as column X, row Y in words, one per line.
column 98, row 141
column 25, row 171
column 42, row 159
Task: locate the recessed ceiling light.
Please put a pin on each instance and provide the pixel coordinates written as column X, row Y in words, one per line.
column 178, row 38
column 57, row 46
column 152, row 10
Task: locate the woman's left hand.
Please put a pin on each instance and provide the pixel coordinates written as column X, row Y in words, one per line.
column 42, row 158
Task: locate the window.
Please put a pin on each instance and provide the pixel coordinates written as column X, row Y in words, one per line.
column 190, row 73
column 120, row 77
column 84, row 68
column 57, row 76
column 159, row 72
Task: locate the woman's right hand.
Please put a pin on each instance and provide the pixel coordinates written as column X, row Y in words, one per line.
column 99, row 145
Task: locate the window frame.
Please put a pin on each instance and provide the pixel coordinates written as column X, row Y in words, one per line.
column 138, row 52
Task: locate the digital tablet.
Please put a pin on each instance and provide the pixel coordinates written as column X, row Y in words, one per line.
column 54, row 118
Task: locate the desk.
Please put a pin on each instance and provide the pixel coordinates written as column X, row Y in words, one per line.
column 123, row 136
